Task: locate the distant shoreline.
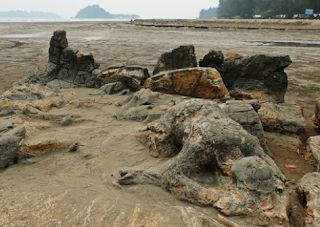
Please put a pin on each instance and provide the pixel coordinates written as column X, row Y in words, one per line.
column 54, row 20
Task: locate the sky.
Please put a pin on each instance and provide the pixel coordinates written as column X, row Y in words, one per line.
column 170, row 9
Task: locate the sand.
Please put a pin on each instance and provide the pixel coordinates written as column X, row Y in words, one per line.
column 71, row 189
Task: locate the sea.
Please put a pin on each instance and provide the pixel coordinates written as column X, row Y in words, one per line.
column 46, row 20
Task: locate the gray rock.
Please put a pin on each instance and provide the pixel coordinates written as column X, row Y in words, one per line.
column 57, row 43
column 66, row 121
column 179, row 58
column 212, row 59
column 5, row 125
column 16, row 132
column 9, row 150
column 114, row 88
column 254, row 173
column 8, row 110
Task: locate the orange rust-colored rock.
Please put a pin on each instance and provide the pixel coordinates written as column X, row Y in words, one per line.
column 247, row 95
column 195, row 82
column 43, row 148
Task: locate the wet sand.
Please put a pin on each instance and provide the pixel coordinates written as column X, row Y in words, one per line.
column 71, row 189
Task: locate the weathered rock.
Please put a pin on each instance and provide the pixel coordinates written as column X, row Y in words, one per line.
column 8, row 110
column 19, row 131
column 9, row 150
column 5, row 125
column 43, row 74
column 283, row 118
column 179, row 58
column 195, row 82
column 35, row 113
column 57, row 43
column 244, row 113
column 259, row 77
column 43, row 147
column 209, row 148
column 316, row 116
column 66, row 121
column 139, row 107
column 112, row 88
column 309, row 192
column 132, row 76
column 313, row 149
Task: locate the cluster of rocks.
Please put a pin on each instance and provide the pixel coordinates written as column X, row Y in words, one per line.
column 217, row 147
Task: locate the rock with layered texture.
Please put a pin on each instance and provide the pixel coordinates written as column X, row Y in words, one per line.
column 132, row 77
column 179, row 58
column 313, row 149
column 309, row 192
column 195, row 82
column 316, row 116
column 245, row 113
column 259, row 77
column 212, row 154
column 283, row 118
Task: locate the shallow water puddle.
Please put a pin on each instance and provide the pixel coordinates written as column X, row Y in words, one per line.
column 279, row 43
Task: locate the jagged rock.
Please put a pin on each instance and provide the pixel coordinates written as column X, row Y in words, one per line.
column 309, row 192
column 195, row 82
column 57, row 43
column 212, row 59
column 316, row 116
column 283, row 118
column 244, row 113
column 139, row 107
column 43, row 74
column 259, row 77
column 132, row 76
column 179, row 58
column 313, row 149
column 209, row 147
column 9, row 150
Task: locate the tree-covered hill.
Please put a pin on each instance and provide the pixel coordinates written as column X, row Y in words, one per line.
column 267, row 8
column 96, row 12
column 208, row 13
column 20, row 13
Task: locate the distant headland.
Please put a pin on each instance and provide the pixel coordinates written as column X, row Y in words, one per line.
column 21, row 13
column 96, row 12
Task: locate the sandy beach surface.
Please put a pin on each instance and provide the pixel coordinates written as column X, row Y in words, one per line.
column 81, row 189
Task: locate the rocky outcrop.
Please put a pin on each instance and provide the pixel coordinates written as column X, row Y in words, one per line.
column 316, row 116
column 216, row 162
column 245, row 113
column 313, row 149
column 308, row 190
column 139, row 107
column 65, row 64
column 259, row 77
column 179, row 58
column 131, row 76
column 195, row 82
column 283, row 118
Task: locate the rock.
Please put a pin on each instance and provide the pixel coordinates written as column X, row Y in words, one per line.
column 139, row 107
column 9, row 150
column 212, row 59
column 283, row 118
column 313, row 149
column 179, row 58
column 195, row 82
column 34, row 113
column 73, row 147
column 8, row 110
column 43, row 74
column 244, row 113
column 56, row 85
column 66, row 121
column 210, row 151
column 254, row 173
column 132, row 76
column 309, row 193
column 5, row 125
column 19, row 131
column 112, row 88
column 316, row 116
column 259, row 77
column 57, row 43
column 43, row 146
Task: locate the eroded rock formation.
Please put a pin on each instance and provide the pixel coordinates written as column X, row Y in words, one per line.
column 179, row 58
column 259, row 77
column 195, row 82
column 313, row 149
column 216, row 163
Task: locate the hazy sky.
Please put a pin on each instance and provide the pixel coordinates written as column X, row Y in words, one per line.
column 145, row 8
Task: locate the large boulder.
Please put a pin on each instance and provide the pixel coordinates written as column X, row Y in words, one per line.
column 283, row 118
column 195, row 82
column 133, row 77
column 179, row 58
column 216, row 162
column 316, row 116
column 259, row 77
column 57, row 43
column 309, row 192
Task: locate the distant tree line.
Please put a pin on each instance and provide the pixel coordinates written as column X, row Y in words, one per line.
column 266, row 8
column 20, row 13
column 96, row 12
column 208, row 13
